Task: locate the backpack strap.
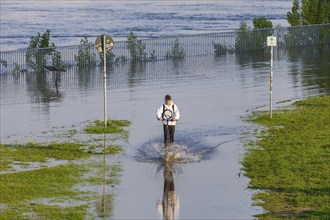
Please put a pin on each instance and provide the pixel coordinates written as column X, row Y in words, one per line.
column 164, row 108
column 173, row 108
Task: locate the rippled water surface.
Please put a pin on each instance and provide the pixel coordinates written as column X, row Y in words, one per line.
column 213, row 95
column 69, row 20
column 201, row 177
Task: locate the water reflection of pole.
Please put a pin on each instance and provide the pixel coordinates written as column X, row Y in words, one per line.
column 169, row 206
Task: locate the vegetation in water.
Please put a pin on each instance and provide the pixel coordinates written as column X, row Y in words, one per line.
column 86, row 56
column 305, row 13
column 248, row 39
column 137, row 49
column 3, row 62
column 177, row 52
column 113, row 127
column 43, row 180
column 309, row 12
column 39, row 50
column 289, row 161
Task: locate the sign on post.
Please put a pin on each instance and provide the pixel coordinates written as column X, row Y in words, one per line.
column 108, row 43
column 271, row 42
column 104, row 45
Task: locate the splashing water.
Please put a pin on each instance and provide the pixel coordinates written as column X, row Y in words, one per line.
column 190, row 147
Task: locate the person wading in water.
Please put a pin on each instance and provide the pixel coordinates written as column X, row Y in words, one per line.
column 169, row 114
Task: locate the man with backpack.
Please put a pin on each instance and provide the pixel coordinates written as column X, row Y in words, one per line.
column 169, row 114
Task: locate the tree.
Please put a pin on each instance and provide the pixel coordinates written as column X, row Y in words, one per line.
column 309, row 12
column 260, row 23
column 294, row 16
column 315, row 11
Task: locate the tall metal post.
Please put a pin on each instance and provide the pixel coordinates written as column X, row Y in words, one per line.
column 105, row 79
column 271, row 82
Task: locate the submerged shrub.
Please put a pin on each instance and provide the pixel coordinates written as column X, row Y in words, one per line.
column 177, row 52
column 86, row 56
column 219, row 49
column 38, row 50
column 137, row 48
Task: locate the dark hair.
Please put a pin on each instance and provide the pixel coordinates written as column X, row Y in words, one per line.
column 168, row 97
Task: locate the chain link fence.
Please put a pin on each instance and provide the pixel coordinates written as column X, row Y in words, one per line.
column 167, row 48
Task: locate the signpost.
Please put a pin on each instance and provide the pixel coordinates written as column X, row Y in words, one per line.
column 104, row 45
column 271, row 42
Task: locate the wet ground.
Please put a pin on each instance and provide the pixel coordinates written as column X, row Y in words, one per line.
column 213, row 95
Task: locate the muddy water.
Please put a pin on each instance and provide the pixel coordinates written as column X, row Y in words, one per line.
column 213, row 94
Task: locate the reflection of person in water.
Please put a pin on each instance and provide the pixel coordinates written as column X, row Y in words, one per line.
column 169, row 114
column 168, row 207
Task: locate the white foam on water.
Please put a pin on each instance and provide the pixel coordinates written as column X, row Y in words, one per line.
column 175, row 153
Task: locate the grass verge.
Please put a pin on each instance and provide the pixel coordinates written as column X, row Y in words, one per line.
column 289, row 161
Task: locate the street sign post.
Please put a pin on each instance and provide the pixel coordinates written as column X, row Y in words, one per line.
column 104, row 45
column 271, row 42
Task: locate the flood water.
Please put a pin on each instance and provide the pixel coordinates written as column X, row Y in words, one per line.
column 213, row 95
column 70, row 20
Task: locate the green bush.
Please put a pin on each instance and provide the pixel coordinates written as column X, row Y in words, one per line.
column 243, row 37
column 86, row 56
column 248, row 39
column 220, row 49
column 38, row 50
column 177, row 52
column 136, row 48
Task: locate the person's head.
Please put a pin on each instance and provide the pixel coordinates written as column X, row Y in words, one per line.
column 168, row 100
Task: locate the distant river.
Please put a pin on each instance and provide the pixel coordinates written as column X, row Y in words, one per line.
column 69, row 20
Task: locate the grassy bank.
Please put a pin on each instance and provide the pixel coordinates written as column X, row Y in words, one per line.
column 60, row 180
column 289, row 161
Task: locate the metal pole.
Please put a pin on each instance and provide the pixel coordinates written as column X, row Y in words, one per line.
column 104, row 176
column 105, row 80
column 271, row 82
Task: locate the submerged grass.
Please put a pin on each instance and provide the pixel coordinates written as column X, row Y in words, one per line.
column 23, row 192
column 113, row 127
column 37, row 152
column 290, row 161
column 19, row 189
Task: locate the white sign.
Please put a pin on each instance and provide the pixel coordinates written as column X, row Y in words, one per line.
column 271, row 41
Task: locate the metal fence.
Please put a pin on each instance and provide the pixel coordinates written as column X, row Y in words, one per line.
column 172, row 48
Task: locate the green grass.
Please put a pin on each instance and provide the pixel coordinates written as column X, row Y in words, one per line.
column 59, row 212
column 113, row 127
column 19, row 189
column 289, row 161
column 36, row 152
column 22, row 193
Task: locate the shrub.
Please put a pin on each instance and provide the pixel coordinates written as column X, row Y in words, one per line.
column 219, row 49
column 243, row 37
column 38, row 50
column 3, row 62
column 136, row 48
column 86, row 56
column 177, row 52
column 249, row 40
